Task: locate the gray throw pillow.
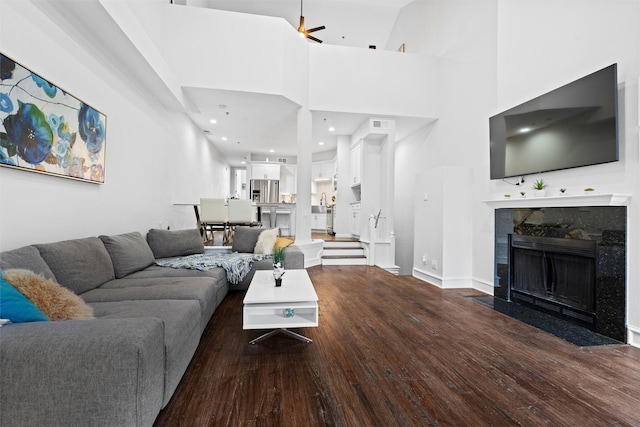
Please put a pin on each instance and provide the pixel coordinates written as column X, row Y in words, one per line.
column 80, row 264
column 172, row 243
column 28, row 258
column 129, row 253
column 245, row 239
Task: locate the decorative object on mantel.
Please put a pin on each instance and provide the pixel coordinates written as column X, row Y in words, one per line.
column 539, row 188
column 278, row 269
column 506, row 196
column 522, row 194
column 588, row 191
column 40, row 124
column 562, row 191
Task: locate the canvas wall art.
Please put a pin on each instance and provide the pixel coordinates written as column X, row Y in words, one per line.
column 47, row 130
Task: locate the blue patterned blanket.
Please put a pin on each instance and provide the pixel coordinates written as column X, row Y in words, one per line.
column 236, row 265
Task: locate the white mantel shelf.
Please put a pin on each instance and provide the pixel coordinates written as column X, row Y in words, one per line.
column 598, row 199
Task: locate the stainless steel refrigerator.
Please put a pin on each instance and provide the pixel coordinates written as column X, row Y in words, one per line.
column 265, row 190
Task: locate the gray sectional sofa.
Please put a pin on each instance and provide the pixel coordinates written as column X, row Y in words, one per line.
column 121, row 368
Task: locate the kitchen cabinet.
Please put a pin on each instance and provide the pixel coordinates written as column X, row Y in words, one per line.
column 322, row 170
column 354, row 219
column 288, row 179
column 265, row 171
column 356, row 165
column 319, row 222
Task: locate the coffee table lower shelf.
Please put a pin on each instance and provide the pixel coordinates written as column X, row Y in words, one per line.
column 280, row 317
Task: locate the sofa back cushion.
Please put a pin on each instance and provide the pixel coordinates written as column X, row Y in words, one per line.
column 173, row 243
column 245, row 239
column 129, row 253
column 27, row 257
column 80, row 264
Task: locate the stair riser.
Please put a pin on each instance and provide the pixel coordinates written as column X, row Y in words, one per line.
column 341, row 245
column 345, row 261
column 343, row 252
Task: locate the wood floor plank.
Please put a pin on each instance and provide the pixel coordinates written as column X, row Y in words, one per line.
column 396, row 351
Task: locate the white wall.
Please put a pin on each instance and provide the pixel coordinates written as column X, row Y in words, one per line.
column 154, row 157
column 497, row 54
column 578, row 38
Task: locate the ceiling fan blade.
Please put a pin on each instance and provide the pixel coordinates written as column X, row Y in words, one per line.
column 316, row 29
column 314, row 39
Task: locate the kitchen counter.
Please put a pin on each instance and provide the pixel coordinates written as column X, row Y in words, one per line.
column 280, row 215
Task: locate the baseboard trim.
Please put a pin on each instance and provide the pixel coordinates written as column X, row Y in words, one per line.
column 425, row 276
column 483, row 286
column 633, row 335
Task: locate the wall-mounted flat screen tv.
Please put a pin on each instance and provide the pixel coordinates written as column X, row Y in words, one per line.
column 572, row 126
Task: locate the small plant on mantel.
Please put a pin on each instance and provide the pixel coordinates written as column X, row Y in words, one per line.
column 538, row 188
column 539, row 184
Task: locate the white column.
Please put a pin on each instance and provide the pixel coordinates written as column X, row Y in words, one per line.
column 303, row 197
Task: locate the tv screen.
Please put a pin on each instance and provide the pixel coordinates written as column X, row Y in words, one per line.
column 572, row 126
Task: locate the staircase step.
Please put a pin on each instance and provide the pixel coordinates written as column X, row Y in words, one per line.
column 348, row 252
column 345, row 244
column 341, row 260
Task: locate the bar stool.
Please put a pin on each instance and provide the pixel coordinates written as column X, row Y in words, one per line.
column 285, row 224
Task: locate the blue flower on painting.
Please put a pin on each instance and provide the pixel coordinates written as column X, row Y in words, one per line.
column 29, row 132
column 6, row 105
column 59, row 125
column 7, row 67
column 5, row 160
column 77, row 168
column 48, row 88
column 91, row 128
column 63, row 153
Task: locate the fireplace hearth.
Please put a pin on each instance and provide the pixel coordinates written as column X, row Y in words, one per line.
column 569, row 262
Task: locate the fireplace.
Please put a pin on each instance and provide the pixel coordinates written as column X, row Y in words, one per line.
column 568, row 262
column 556, row 275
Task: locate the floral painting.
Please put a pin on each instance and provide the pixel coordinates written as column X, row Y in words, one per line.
column 45, row 129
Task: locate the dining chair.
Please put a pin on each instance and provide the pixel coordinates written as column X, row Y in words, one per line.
column 241, row 212
column 213, row 217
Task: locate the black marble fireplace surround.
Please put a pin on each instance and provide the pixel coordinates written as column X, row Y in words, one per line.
column 594, row 263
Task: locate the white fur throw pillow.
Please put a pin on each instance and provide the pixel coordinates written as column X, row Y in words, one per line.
column 54, row 300
column 266, row 241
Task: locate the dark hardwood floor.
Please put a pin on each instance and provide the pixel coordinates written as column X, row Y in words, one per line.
column 395, row 351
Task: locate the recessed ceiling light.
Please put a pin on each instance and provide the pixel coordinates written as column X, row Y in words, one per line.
column 243, row 162
column 321, row 143
column 331, row 128
column 272, row 150
column 525, row 130
column 224, row 138
column 214, row 121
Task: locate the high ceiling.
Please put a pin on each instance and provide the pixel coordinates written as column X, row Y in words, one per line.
column 265, row 125
column 251, row 123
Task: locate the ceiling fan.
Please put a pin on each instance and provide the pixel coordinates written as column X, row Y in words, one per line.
column 306, row 33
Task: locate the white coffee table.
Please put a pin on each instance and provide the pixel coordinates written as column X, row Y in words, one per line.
column 292, row 305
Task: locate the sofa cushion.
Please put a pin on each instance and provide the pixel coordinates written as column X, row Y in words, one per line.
column 55, row 301
column 266, row 241
column 129, row 253
column 16, row 307
column 181, row 320
column 26, row 257
column 245, row 239
column 203, row 289
column 172, row 243
column 80, row 264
